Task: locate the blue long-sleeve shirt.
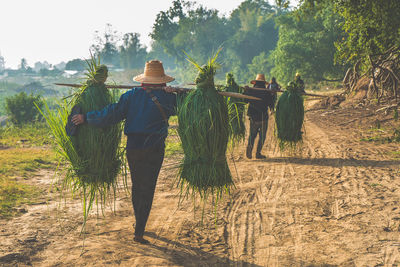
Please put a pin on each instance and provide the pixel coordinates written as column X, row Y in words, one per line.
column 144, row 124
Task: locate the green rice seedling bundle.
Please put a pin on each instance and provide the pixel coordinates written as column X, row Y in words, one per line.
column 235, row 110
column 289, row 117
column 93, row 154
column 204, row 132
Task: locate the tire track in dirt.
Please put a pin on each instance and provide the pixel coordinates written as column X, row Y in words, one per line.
column 335, row 202
column 314, row 207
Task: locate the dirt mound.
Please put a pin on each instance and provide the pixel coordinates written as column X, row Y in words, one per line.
column 330, row 102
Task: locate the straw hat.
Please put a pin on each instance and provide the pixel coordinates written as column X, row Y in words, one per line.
column 259, row 78
column 153, row 73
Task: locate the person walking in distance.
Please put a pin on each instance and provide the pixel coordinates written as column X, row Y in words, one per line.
column 258, row 114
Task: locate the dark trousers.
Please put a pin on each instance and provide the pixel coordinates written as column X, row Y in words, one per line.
column 145, row 165
column 257, row 128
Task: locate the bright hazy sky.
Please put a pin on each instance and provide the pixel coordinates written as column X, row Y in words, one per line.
column 59, row 30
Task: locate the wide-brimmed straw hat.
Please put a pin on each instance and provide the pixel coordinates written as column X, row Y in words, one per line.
column 259, row 78
column 153, row 73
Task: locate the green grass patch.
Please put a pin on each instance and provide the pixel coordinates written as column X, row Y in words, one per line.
column 14, row 194
column 16, row 165
column 395, row 154
column 375, row 185
column 20, row 162
column 173, row 144
column 382, row 136
column 173, row 147
column 29, row 135
column 23, row 152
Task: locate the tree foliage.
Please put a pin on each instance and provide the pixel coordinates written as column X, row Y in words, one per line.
column 248, row 32
column 105, row 46
column 21, row 108
column 306, row 43
column 132, row 52
column 372, row 27
column 2, row 64
column 186, row 27
column 76, row 64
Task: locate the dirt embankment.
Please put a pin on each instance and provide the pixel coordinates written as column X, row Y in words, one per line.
column 333, row 203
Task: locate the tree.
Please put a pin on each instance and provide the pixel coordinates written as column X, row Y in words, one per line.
column 41, row 65
column 21, row 108
column 132, row 53
column 306, row 43
column 76, row 64
column 105, row 46
column 372, row 27
column 166, row 27
column 2, row 64
column 259, row 64
column 23, row 65
column 254, row 30
column 371, row 44
column 191, row 28
column 157, row 52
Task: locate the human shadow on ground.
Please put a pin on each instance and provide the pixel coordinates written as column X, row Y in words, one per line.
column 187, row 255
column 333, row 162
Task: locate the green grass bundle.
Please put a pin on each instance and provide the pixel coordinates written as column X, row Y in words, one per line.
column 235, row 110
column 289, row 117
column 94, row 154
column 204, row 132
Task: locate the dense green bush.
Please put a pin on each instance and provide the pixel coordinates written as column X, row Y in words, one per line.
column 21, row 108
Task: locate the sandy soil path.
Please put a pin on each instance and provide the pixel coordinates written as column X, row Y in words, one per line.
column 334, row 203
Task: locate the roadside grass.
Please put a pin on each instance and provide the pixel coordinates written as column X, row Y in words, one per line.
column 382, row 136
column 34, row 134
column 23, row 151
column 395, row 154
column 173, row 143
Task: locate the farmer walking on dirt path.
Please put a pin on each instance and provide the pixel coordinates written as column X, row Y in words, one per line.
column 274, row 86
column 258, row 115
column 146, row 113
column 299, row 83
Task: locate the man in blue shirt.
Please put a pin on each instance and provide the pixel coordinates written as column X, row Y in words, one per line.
column 146, row 113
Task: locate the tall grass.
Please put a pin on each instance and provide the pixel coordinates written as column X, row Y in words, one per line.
column 94, row 156
column 235, row 111
column 204, row 132
column 289, row 118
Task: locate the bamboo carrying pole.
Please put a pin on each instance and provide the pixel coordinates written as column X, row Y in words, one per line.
column 269, row 90
column 176, row 89
column 278, row 91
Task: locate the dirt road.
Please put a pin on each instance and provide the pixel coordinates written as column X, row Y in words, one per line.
column 334, row 203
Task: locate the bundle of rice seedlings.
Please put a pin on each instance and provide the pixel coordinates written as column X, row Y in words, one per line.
column 93, row 155
column 236, row 110
column 289, row 117
column 204, row 132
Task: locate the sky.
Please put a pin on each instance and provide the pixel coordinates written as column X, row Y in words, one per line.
column 59, row 30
